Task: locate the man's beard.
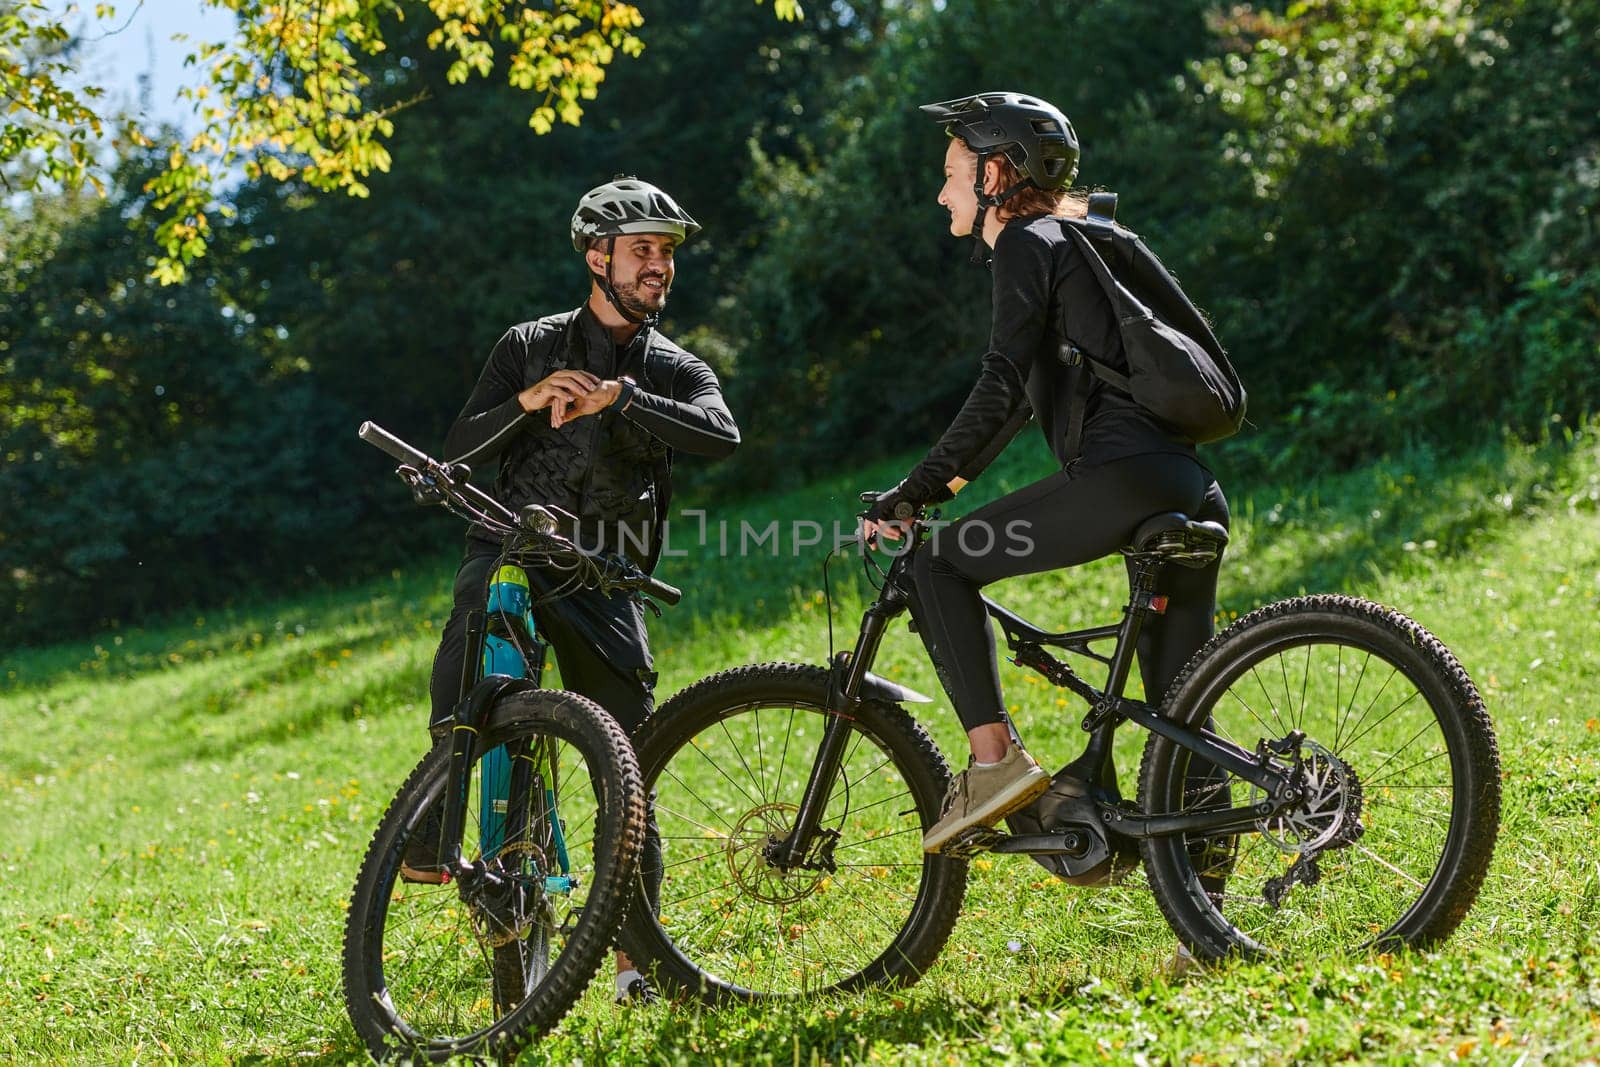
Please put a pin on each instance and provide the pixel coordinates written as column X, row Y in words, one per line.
column 638, row 300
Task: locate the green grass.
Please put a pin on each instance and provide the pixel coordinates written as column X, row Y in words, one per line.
column 184, row 806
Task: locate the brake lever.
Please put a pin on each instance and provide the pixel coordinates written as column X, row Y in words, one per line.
column 424, row 490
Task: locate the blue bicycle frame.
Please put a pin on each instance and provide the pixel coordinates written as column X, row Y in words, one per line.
column 510, row 604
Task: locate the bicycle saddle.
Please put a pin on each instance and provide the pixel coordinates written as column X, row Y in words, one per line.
column 1175, row 537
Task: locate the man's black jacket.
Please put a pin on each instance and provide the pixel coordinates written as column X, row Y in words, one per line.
column 609, row 468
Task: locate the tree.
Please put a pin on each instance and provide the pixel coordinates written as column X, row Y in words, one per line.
column 288, row 96
column 49, row 131
column 311, row 313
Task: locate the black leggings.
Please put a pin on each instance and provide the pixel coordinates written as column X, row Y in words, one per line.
column 1066, row 519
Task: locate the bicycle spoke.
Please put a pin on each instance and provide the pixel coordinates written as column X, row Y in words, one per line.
column 1433, row 816
column 1305, row 682
column 881, row 837
column 809, row 928
column 1370, row 705
column 784, row 756
column 1267, row 730
column 1387, row 782
column 902, row 796
column 1344, row 710
column 1380, row 861
column 730, row 779
column 1424, row 728
column 698, row 798
column 760, row 786
column 674, row 813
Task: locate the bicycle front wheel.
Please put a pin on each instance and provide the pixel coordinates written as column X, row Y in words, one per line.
column 728, row 760
column 1399, row 771
column 436, row 968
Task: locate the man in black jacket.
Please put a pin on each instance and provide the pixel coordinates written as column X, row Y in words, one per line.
column 583, row 411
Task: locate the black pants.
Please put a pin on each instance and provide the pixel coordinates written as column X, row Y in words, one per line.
column 1068, row 518
column 599, row 642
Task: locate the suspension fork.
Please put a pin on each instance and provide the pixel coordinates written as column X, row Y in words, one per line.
column 843, row 698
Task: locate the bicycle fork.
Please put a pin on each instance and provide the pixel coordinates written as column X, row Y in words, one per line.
column 494, row 664
column 848, row 671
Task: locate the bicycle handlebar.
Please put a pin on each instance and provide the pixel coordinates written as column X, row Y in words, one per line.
column 667, row 594
column 451, row 484
column 382, row 439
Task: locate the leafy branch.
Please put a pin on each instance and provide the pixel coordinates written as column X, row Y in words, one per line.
column 287, row 98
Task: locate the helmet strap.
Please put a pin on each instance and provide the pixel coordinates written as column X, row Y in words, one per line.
column 610, row 290
column 980, row 248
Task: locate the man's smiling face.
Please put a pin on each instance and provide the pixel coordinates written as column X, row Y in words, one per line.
column 641, row 270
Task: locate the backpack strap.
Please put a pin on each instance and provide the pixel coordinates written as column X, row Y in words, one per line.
column 1072, row 356
column 1098, row 224
column 1124, row 304
column 545, row 349
column 1102, row 215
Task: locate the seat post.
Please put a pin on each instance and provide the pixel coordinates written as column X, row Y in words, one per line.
column 1142, row 587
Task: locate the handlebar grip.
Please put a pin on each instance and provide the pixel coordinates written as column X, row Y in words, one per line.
column 667, row 594
column 378, row 437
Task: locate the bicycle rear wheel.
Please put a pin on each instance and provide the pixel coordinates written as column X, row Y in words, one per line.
column 1401, row 774
column 440, row 969
column 728, row 760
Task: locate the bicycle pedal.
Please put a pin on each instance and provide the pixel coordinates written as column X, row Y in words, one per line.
column 973, row 841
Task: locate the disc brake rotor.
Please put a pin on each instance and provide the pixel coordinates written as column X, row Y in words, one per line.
column 506, row 924
column 1328, row 814
column 751, row 869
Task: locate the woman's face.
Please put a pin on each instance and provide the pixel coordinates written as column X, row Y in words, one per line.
column 960, row 166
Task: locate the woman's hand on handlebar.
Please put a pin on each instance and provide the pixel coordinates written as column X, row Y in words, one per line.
column 888, row 514
column 891, row 513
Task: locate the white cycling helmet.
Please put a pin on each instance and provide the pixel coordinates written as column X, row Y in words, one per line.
column 628, row 205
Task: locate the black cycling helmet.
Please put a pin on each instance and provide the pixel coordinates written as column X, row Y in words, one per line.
column 623, row 206
column 1032, row 133
column 628, row 205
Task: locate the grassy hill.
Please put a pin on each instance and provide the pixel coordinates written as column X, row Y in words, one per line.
column 183, row 806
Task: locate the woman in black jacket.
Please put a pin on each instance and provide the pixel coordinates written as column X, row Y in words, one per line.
column 1010, row 162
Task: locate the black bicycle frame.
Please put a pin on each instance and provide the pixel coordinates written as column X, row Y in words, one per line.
column 1108, row 709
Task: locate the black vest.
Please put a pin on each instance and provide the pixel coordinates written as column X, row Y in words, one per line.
column 602, row 468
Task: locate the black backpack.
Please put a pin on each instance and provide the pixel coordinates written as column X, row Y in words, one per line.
column 1177, row 370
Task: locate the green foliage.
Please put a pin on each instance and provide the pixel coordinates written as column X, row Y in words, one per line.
column 48, row 132
column 150, row 446
column 1453, row 188
column 288, row 96
column 1386, row 207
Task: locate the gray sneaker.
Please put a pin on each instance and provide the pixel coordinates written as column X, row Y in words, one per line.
column 982, row 796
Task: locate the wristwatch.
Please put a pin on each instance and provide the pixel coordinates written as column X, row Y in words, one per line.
column 624, row 394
